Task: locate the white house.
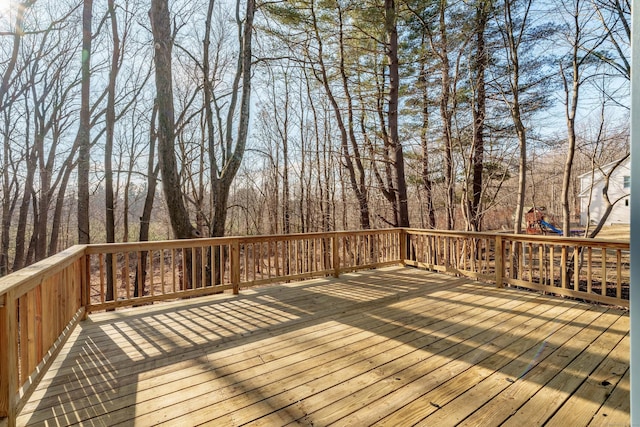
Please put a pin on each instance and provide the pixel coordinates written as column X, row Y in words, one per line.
column 592, row 203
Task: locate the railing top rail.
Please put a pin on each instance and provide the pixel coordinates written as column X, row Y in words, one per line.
column 25, row 279
column 106, row 248
column 577, row 241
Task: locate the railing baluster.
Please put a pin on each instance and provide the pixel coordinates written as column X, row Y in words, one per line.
column 576, row 269
column 277, row 257
column 173, row 270
column 247, row 265
column 162, row 261
column 212, row 262
column 552, row 265
column 336, row 256
column 530, row 261
column 269, row 252
column 194, row 268
column 619, row 273
column 563, row 262
column 202, row 259
column 152, row 291
column 261, row 263
column 499, row 260
column 604, row 272
column 101, row 267
column 589, row 268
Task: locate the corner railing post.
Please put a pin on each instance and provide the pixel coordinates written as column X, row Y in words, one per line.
column 235, row 266
column 404, row 241
column 8, row 358
column 499, row 262
column 336, row 255
column 4, row 355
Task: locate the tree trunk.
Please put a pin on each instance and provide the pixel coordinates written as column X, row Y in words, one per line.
column 9, row 200
column 19, row 259
column 513, row 51
column 110, row 122
column 145, row 219
column 357, row 182
column 572, row 92
column 84, row 129
column 388, row 187
column 171, row 185
column 394, row 84
column 427, row 183
column 56, row 222
column 233, row 158
column 479, row 113
column 445, row 113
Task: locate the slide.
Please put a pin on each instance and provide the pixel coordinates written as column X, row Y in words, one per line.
column 545, row 224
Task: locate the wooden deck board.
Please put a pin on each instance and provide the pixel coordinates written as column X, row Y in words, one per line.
column 441, row 357
column 480, row 393
column 395, row 346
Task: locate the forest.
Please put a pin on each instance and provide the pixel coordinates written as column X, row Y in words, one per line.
column 134, row 120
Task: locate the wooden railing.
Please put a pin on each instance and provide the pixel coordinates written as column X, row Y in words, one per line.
column 40, row 305
column 593, row 270
column 141, row 273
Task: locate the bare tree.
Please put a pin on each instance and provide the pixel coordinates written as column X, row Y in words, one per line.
column 145, row 219
column 512, row 34
column 84, row 129
column 572, row 80
column 352, row 159
column 163, row 44
column 615, row 18
column 233, row 139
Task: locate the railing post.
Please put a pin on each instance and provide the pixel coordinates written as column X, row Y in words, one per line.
column 4, row 354
column 8, row 358
column 85, row 285
column 403, row 246
column 335, row 255
column 235, row 266
column 499, row 262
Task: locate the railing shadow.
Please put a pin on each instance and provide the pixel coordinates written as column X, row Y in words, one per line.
column 220, row 349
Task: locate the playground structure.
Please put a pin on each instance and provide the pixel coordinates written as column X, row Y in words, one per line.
column 538, row 222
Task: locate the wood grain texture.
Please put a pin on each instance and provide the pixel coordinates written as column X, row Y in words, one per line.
column 389, row 346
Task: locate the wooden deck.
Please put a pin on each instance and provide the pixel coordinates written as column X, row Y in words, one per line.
column 396, row 346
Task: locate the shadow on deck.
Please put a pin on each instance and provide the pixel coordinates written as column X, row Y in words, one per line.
column 395, row 346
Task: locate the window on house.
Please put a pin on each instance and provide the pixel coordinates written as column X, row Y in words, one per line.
column 626, row 202
column 627, row 181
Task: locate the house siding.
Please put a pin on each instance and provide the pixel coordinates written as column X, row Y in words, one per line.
column 621, row 213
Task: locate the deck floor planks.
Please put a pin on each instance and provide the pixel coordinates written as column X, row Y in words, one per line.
column 593, row 392
column 117, row 344
column 431, row 393
column 406, row 371
column 369, row 367
column 322, row 351
column 529, row 382
column 615, row 411
column 135, row 384
column 223, row 308
column 350, row 356
column 464, row 404
column 548, row 400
